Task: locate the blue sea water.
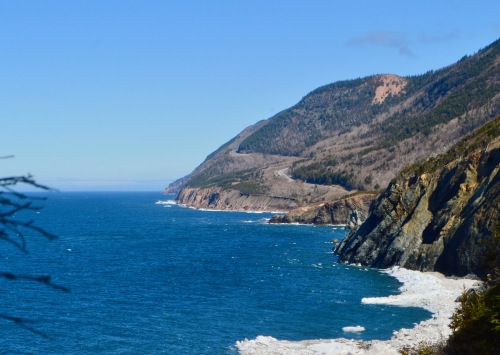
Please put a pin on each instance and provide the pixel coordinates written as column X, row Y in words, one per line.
column 149, row 278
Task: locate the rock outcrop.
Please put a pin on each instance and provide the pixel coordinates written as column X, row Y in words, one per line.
column 351, row 211
column 435, row 216
column 217, row 198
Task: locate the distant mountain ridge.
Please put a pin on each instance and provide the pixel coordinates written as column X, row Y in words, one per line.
column 349, row 135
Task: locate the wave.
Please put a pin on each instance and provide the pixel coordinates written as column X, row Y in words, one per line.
column 353, row 329
column 232, row 211
column 167, row 202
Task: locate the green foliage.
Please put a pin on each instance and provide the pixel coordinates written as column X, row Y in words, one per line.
column 332, row 108
column 476, row 323
column 245, row 181
column 318, row 173
column 492, row 258
column 249, row 188
column 463, row 90
column 424, row 349
column 447, row 93
column 440, row 96
column 267, row 140
column 343, row 84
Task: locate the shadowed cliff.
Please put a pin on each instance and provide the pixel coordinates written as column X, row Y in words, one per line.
column 437, row 215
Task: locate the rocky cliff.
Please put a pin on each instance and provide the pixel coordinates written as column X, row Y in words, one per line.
column 352, row 211
column 438, row 215
column 219, row 199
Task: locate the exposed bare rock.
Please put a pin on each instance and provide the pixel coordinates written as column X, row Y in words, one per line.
column 390, row 85
column 437, row 215
column 350, row 211
column 217, row 198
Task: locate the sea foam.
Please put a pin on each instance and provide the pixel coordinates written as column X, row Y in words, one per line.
column 429, row 290
column 167, row 202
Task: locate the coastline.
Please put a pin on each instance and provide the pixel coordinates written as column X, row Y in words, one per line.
column 174, row 202
column 429, row 290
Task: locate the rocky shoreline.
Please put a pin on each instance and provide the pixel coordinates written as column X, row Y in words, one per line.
column 429, row 290
column 351, row 211
column 435, row 216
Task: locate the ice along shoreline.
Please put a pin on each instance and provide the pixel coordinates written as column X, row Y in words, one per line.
column 429, row 290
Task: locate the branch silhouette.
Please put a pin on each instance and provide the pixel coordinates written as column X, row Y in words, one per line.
column 23, row 323
column 15, row 230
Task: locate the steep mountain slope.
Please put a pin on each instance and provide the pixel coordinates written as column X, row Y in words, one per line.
column 438, row 215
column 346, row 136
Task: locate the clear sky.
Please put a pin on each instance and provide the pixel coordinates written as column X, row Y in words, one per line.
column 130, row 95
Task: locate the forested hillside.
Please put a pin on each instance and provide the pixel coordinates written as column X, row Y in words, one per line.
column 353, row 135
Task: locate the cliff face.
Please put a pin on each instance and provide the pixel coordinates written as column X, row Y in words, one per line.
column 351, row 211
column 219, row 199
column 438, row 215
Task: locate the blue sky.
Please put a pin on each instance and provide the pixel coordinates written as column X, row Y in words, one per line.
column 130, row 95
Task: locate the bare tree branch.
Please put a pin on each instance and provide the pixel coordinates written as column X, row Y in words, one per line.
column 46, row 279
column 23, row 323
column 14, row 231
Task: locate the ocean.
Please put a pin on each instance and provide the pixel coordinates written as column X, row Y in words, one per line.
column 158, row 278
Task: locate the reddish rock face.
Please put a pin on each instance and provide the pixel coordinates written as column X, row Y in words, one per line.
column 216, row 198
column 350, row 211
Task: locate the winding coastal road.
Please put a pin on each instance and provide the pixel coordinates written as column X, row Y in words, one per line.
column 283, row 172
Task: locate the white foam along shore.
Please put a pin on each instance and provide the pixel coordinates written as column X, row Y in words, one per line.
column 173, row 202
column 429, row 290
column 167, row 202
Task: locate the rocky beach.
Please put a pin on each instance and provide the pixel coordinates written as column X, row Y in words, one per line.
column 429, row 290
